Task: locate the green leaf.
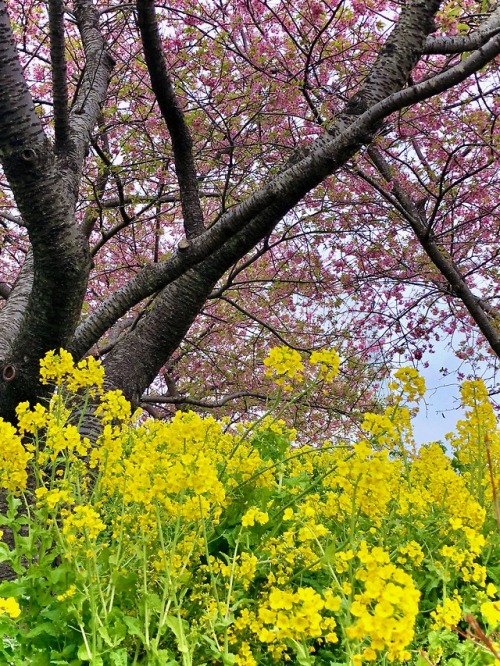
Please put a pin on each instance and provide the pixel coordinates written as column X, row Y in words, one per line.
column 119, row 657
column 179, row 627
column 103, row 633
column 43, row 628
column 40, row 659
column 164, row 658
column 153, row 601
column 134, row 627
column 83, row 653
column 5, row 553
column 13, row 588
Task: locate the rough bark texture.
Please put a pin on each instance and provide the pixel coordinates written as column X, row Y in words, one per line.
column 45, row 184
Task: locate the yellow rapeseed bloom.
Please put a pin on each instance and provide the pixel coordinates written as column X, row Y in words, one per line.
column 14, row 459
column 59, row 368
column 254, row 515
column 409, row 382
column 328, row 361
column 70, row 592
column 490, row 610
column 56, row 367
column 10, row 607
column 387, row 608
column 282, row 362
column 447, row 614
column 83, row 522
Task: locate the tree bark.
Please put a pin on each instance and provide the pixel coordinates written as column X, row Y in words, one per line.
column 45, row 185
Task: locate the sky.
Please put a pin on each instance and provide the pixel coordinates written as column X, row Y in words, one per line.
column 441, row 410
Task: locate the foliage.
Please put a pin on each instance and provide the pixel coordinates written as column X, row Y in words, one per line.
column 194, row 542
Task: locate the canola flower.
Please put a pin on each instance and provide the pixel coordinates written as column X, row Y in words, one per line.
column 234, row 545
column 14, row 459
column 448, row 614
column 10, row 607
column 59, row 368
column 490, row 610
column 386, row 608
column 282, row 363
column 328, row 362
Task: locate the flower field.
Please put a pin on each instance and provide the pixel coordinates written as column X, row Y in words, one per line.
column 196, row 542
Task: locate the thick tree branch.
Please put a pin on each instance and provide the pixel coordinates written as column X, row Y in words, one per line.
column 45, row 186
column 154, row 399
column 13, row 311
column 59, row 74
column 462, row 43
column 173, row 115
column 20, row 127
column 94, row 84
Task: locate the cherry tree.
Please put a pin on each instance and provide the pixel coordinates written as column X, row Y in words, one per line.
column 188, row 184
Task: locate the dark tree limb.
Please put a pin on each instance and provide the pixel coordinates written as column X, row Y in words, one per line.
column 91, row 94
column 13, row 311
column 45, row 186
column 463, row 43
column 173, row 115
column 59, row 73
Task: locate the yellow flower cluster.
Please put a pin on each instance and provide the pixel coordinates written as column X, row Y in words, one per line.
column 59, row 435
column 252, row 516
column 364, row 478
column 281, row 553
column 59, row 368
column 81, row 525
column 382, row 428
column 439, row 485
column 283, row 362
column 410, row 383
column 476, row 441
column 14, row 459
column 448, row 614
column 411, row 551
column 387, row 607
column 328, row 361
column 10, row 607
column 31, row 420
column 490, row 610
column 151, row 467
column 51, row 498
column 68, row 594
column 295, row 615
column 289, row 615
column 113, row 406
